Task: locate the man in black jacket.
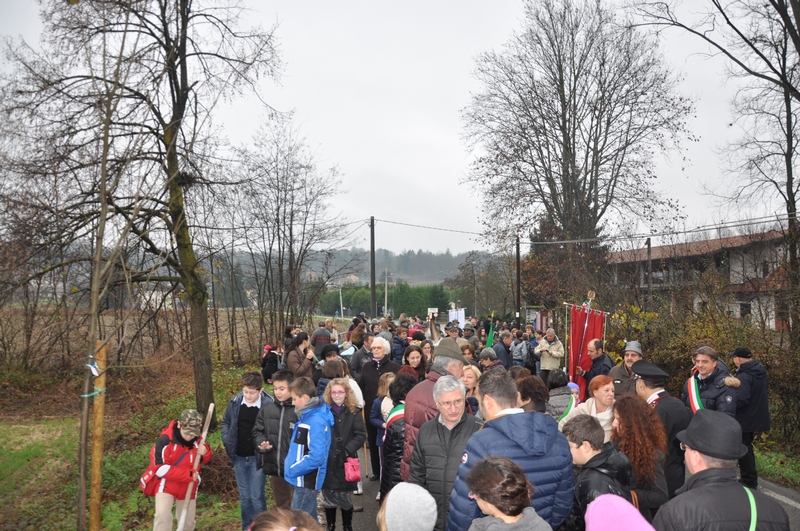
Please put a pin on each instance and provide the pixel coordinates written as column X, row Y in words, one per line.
column 650, row 381
column 712, row 499
column 601, row 362
column 440, row 444
column 271, row 435
column 752, row 407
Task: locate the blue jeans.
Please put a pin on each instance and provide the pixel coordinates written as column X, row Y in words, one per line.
column 305, row 500
column 251, row 488
column 518, row 363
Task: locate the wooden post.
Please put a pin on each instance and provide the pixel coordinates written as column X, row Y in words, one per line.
column 96, row 490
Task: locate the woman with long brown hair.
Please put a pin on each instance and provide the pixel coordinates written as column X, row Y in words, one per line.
column 640, row 434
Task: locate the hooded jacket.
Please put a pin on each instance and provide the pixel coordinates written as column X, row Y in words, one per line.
column 274, row 424
column 714, row 392
column 530, row 521
column 230, row 424
column 531, row 440
column 436, row 458
column 752, row 397
column 307, row 459
column 559, row 401
column 166, row 452
column 713, row 500
column 609, row 472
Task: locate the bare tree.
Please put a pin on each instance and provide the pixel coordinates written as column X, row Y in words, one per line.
column 185, row 58
column 288, row 227
column 761, row 42
column 571, row 112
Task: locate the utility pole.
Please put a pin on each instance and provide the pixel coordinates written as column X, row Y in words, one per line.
column 649, row 273
column 372, row 297
column 519, row 290
column 341, row 306
column 386, row 293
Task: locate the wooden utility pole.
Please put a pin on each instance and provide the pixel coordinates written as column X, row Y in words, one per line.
column 519, row 290
column 96, row 490
column 373, row 309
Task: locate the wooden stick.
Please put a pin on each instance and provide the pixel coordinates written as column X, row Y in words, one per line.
column 188, row 498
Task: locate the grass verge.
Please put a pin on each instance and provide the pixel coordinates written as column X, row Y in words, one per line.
column 776, row 467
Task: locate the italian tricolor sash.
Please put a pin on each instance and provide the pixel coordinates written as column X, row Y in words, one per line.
column 397, row 412
column 570, row 407
column 693, row 388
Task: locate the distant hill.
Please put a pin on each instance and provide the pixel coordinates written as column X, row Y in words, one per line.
column 414, row 267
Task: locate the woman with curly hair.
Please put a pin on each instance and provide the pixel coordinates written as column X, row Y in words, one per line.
column 639, row 433
column 470, row 378
column 499, row 487
column 347, row 436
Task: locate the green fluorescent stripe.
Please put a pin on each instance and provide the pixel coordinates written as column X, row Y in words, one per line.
column 753, row 512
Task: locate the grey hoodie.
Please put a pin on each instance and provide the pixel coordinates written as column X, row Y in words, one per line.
column 530, row 521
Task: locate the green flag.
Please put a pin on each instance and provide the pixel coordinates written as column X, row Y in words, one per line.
column 490, row 337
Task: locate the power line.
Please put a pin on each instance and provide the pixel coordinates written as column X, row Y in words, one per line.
column 429, row 228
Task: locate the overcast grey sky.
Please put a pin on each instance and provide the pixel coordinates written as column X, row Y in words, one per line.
column 377, row 89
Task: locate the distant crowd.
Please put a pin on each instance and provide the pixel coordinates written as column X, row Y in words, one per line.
column 465, row 435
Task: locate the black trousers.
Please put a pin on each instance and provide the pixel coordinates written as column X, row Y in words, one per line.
column 747, row 464
column 374, row 455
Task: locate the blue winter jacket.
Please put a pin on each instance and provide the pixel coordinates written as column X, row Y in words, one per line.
column 531, row 440
column 376, row 419
column 307, row 459
column 230, row 423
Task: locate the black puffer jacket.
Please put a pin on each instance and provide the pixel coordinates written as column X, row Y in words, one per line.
column 350, row 427
column 714, row 393
column 752, row 400
column 609, row 472
column 713, row 500
column 436, row 457
column 392, row 455
column 273, row 425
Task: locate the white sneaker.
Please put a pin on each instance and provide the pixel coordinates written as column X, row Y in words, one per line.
column 378, row 497
column 359, row 490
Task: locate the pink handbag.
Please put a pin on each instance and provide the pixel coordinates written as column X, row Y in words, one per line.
column 352, row 469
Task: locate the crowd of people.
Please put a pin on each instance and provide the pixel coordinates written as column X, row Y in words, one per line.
column 465, row 435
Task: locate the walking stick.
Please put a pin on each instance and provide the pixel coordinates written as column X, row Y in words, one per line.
column 188, row 498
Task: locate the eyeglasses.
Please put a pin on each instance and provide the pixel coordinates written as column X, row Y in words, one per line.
column 338, row 393
column 684, row 447
column 456, row 403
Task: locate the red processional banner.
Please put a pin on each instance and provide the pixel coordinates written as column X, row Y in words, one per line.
column 586, row 325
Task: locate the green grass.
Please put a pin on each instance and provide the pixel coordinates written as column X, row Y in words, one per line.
column 776, row 467
column 39, row 475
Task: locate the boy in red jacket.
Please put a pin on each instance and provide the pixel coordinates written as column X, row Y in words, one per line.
column 175, row 452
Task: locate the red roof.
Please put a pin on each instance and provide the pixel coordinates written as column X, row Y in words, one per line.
column 689, row 249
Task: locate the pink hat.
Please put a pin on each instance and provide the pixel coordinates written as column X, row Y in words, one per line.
column 610, row 512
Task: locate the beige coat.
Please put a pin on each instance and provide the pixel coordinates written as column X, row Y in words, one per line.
column 552, row 359
column 589, row 408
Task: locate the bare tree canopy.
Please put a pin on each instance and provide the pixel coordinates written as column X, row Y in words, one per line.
column 179, row 58
column 741, row 30
column 571, row 113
